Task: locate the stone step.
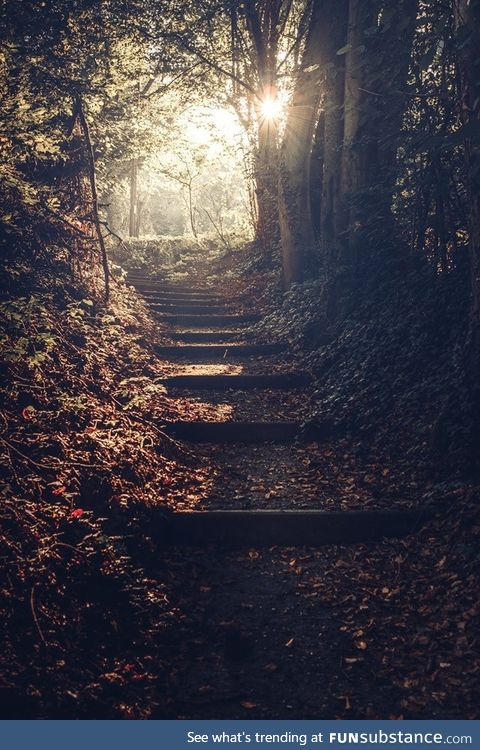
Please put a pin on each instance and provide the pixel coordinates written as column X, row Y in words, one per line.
column 221, row 351
column 203, row 321
column 265, row 528
column 157, row 286
column 194, row 297
column 163, row 307
column 238, row 382
column 250, row 432
column 183, row 296
column 192, row 337
column 235, row 432
column 132, row 276
column 159, row 279
column 187, row 302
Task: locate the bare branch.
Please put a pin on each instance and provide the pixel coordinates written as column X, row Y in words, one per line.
column 93, row 188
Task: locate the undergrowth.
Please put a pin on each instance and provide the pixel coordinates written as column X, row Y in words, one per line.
column 85, row 465
column 392, row 365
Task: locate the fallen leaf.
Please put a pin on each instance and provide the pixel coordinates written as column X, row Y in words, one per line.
column 271, row 667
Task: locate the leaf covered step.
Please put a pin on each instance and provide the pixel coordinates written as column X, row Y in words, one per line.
column 235, row 432
column 240, row 382
column 202, row 321
column 265, row 528
column 189, row 309
column 224, row 351
column 206, row 336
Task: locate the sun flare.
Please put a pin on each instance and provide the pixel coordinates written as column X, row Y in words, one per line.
column 271, row 108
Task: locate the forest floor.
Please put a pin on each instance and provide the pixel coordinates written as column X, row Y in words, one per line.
column 384, row 630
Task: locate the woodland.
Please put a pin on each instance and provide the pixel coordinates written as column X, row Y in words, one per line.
column 241, row 218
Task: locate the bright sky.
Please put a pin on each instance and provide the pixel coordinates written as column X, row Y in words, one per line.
column 207, row 125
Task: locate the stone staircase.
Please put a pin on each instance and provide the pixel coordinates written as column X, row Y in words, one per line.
column 206, row 327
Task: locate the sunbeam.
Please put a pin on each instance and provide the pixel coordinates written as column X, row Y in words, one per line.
column 271, row 108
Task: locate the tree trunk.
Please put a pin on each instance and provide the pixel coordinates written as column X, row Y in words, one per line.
column 317, row 159
column 296, row 227
column 140, row 205
column 92, row 175
column 332, row 106
column 266, row 177
column 133, row 223
column 376, row 71
column 361, row 16
column 468, row 42
column 191, row 210
column 393, row 53
column 262, row 22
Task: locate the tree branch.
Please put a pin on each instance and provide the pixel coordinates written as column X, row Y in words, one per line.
column 214, row 65
column 93, row 187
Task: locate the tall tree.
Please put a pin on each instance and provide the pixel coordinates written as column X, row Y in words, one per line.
column 467, row 14
column 353, row 166
column 333, row 86
column 379, row 41
column 296, row 227
column 263, row 22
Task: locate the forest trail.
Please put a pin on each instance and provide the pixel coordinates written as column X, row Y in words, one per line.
column 251, row 637
column 267, row 450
